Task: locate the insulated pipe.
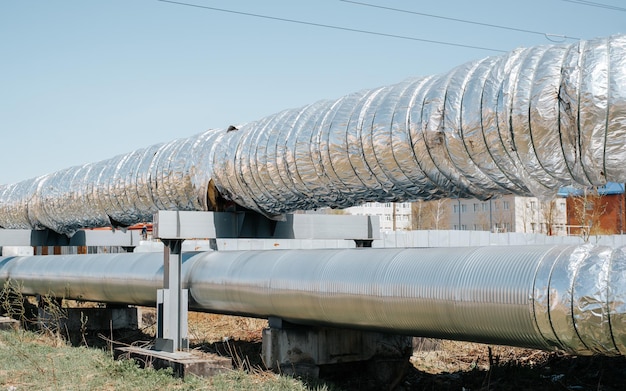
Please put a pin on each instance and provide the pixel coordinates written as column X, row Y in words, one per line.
column 526, row 123
column 570, row 298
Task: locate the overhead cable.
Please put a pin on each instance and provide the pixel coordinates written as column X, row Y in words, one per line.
column 547, row 35
column 335, row 27
column 596, row 4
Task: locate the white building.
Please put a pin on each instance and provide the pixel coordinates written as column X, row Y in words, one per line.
column 508, row 214
column 392, row 215
column 503, row 214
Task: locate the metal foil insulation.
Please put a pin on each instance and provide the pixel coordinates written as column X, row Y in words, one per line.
column 565, row 298
column 527, row 123
column 120, row 191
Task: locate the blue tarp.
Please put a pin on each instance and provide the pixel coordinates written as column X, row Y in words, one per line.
column 610, row 188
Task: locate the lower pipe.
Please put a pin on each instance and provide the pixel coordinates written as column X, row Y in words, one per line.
column 570, row 298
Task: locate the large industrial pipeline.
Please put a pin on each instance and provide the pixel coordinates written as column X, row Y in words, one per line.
column 527, row 123
column 570, row 298
column 524, row 123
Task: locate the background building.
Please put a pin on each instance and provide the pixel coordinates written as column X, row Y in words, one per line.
column 393, row 215
column 597, row 211
column 504, row 214
column 509, row 214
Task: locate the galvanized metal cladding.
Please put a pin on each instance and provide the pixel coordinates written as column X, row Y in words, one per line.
column 527, row 123
column 568, row 298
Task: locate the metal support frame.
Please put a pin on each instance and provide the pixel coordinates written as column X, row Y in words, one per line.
column 172, row 302
column 172, row 228
column 211, row 225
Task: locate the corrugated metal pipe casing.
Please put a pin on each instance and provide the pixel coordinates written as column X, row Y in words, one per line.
column 527, row 123
column 548, row 297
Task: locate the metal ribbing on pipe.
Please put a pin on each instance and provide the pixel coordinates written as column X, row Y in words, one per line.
column 111, row 278
column 476, row 294
column 526, row 123
column 547, row 297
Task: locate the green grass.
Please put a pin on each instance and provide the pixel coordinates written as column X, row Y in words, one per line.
column 32, row 361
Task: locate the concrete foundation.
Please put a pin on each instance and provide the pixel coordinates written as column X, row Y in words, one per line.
column 182, row 362
column 8, row 323
column 300, row 350
column 92, row 319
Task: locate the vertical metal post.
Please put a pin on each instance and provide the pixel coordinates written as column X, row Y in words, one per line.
column 172, row 333
column 172, row 285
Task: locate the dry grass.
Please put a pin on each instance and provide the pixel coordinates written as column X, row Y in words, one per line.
column 45, row 361
column 456, row 356
column 448, row 365
column 211, row 328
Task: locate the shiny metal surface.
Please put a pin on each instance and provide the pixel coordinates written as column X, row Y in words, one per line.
column 527, row 123
column 548, row 297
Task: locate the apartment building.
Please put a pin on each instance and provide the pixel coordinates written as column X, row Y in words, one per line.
column 508, row 213
column 393, row 215
column 503, row 214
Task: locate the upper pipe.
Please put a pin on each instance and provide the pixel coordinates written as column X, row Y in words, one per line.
column 569, row 298
column 527, row 123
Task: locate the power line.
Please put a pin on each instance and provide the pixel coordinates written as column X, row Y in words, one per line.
column 596, row 4
column 547, row 35
column 334, row 27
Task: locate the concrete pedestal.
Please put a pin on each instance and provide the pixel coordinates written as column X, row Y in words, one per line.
column 182, row 362
column 8, row 323
column 92, row 319
column 301, row 350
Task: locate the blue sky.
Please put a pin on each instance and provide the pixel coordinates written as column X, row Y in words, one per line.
column 85, row 80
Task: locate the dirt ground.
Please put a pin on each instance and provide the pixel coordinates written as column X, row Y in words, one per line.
column 434, row 365
column 470, row 366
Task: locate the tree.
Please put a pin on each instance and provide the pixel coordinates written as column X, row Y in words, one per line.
column 417, row 215
column 502, row 215
column 482, row 218
column 550, row 213
column 585, row 211
column 524, row 214
column 430, row 214
column 440, row 214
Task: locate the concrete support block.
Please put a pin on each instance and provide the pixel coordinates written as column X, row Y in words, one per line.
column 303, row 350
column 182, row 362
column 93, row 319
column 8, row 323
